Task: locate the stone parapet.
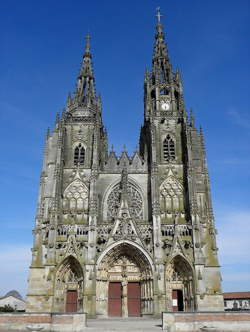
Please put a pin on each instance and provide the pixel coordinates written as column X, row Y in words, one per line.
column 53, row 322
column 206, row 321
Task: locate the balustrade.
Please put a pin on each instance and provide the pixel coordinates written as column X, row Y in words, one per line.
column 170, row 230
column 78, row 230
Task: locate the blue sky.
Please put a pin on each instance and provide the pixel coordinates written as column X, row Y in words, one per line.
column 41, row 48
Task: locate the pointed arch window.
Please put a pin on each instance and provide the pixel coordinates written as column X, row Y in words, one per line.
column 168, row 149
column 162, row 73
column 79, row 154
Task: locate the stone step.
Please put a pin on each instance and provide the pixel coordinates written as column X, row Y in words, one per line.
column 124, row 325
column 110, row 329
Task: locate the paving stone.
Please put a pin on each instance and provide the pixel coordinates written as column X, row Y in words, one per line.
column 124, row 324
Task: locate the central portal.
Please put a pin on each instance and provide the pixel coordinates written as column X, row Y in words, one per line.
column 115, row 299
column 124, row 283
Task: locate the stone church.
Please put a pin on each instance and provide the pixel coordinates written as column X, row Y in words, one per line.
column 125, row 235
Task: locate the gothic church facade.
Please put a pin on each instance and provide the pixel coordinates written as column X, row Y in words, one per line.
column 125, row 235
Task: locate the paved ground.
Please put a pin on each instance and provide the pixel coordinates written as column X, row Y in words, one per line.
column 136, row 324
column 124, row 324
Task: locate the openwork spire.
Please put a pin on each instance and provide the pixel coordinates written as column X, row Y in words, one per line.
column 161, row 66
column 86, row 82
column 160, row 47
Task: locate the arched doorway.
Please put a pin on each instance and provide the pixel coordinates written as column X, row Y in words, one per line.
column 68, row 296
column 124, row 282
column 179, row 285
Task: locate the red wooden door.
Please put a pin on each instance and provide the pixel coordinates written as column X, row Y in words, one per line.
column 71, row 301
column 115, row 299
column 134, row 299
column 175, row 300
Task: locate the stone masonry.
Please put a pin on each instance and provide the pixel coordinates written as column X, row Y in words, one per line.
column 139, row 227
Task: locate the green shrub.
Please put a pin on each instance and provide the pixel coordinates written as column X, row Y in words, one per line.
column 7, row 308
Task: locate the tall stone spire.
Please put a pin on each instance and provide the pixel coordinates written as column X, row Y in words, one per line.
column 86, row 93
column 161, row 67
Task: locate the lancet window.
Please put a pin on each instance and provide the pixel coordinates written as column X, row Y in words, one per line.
column 79, row 155
column 168, row 148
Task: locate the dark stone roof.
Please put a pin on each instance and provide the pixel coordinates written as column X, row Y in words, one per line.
column 13, row 293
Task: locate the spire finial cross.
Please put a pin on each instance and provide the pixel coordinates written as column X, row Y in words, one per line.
column 158, row 15
column 87, row 37
column 87, row 47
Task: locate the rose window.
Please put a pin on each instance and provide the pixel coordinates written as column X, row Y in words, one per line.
column 134, row 202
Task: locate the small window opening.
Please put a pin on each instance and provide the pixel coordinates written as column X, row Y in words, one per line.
column 79, row 155
column 164, row 91
column 163, row 76
column 168, row 149
column 176, row 95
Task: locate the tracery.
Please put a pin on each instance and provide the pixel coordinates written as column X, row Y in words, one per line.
column 76, row 196
column 171, row 195
column 79, row 154
column 168, row 148
column 135, row 202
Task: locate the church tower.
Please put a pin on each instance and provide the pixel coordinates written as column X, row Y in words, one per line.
column 125, row 235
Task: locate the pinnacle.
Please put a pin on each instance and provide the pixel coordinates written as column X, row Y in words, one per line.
column 160, row 46
column 161, row 71
column 86, row 81
column 87, row 46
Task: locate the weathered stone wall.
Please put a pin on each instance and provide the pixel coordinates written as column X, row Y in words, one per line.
column 152, row 209
column 53, row 322
column 206, row 321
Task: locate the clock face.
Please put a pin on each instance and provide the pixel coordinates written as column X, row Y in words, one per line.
column 165, row 106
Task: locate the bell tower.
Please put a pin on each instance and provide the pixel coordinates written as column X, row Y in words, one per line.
column 83, row 120
column 180, row 201
column 67, row 205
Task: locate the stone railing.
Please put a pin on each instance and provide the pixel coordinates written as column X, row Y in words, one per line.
column 78, row 230
column 104, row 230
column 170, row 230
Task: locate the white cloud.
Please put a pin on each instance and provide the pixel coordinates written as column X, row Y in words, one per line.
column 236, row 161
column 15, row 261
column 240, row 119
column 240, row 276
column 234, row 237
